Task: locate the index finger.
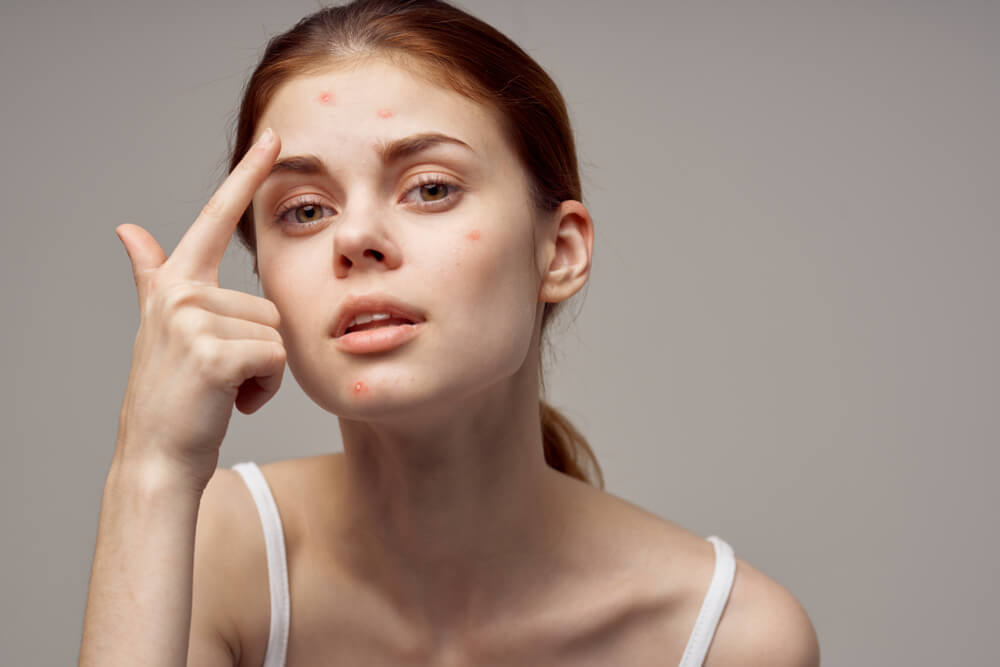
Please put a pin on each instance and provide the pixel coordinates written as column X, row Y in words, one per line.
column 200, row 250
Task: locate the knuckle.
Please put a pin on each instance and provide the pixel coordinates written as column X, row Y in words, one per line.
column 268, row 312
column 176, row 296
column 272, row 335
column 279, row 355
column 207, row 354
column 190, row 323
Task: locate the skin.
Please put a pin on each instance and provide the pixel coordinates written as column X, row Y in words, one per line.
column 440, row 536
column 443, row 465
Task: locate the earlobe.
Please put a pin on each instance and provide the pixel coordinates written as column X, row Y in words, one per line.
column 569, row 250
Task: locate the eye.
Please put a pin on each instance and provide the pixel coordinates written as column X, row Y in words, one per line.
column 434, row 191
column 305, row 212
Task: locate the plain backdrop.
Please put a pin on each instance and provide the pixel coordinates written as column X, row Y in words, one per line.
column 790, row 334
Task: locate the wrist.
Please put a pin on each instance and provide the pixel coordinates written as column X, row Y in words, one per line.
column 152, row 477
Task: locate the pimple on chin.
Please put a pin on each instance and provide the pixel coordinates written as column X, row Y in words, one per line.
column 473, row 235
column 384, row 113
column 360, row 389
column 326, row 97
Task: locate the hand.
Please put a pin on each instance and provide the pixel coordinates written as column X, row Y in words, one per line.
column 200, row 349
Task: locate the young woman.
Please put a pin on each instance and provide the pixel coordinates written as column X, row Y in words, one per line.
column 405, row 177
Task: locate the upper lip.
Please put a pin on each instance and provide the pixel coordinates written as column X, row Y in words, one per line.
column 372, row 303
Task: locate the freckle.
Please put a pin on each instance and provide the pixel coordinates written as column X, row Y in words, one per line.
column 360, row 388
column 473, row 235
column 326, row 97
column 385, row 113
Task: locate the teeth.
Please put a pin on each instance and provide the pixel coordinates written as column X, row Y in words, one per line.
column 368, row 317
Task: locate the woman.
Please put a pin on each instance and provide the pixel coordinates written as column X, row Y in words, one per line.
column 406, row 180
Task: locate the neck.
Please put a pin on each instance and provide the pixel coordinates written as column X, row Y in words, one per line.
column 448, row 509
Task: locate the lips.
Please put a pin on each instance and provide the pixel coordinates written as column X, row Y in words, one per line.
column 355, row 305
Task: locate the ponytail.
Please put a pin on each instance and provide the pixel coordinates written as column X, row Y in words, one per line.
column 566, row 450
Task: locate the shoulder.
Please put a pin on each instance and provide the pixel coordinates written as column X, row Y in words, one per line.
column 232, row 520
column 230, row 594
column 224, row 554
column 763, row 624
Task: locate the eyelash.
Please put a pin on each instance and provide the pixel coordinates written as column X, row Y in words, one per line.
column 311, row 200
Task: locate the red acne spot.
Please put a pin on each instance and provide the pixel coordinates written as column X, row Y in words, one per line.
column 326, row 97
column 473, row 235
column 384, row 113
column 360, row 388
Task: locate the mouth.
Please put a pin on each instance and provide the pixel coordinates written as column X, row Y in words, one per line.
column 378, row 323
column 382, row 337
column 374, row 311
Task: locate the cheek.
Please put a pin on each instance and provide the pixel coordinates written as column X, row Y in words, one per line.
column 273, row 267
column 496, row 281
column 495, row 257
column 281, row 282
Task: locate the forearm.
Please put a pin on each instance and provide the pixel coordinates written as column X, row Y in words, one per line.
column 139, row 605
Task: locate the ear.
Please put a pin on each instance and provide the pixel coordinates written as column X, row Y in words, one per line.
column 565, row 251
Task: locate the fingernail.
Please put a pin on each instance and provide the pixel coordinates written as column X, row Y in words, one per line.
column 266, row 137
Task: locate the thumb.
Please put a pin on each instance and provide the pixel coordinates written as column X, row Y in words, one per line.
column 144, row 252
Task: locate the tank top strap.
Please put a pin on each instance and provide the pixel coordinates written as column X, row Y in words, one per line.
column 712, row 606
column 277, row 567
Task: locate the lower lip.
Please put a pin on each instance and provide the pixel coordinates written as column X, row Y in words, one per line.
column 381, row 339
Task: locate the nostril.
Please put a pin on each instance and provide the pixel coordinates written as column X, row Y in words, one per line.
column 376, row 254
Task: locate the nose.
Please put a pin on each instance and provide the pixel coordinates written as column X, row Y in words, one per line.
column 362, row 243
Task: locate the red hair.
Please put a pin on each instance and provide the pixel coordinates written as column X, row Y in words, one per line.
column 454, row 50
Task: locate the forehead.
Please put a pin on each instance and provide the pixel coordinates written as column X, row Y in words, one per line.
column 362, row 105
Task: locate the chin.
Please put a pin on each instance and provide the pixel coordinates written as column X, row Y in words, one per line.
column 405, row 387
column 372, row 394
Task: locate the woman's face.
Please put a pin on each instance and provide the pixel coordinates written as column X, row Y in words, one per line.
column 447, row 230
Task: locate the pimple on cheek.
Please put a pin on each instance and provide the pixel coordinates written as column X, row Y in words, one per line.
column 326, row 97
column 473, row 235
column 384, row 113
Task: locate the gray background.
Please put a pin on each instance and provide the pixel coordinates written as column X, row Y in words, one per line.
column 789, row 338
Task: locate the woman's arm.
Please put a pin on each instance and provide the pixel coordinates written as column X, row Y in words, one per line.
column 139, row 604
column 200, row 351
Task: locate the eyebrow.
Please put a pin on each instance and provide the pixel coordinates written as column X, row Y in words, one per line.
column 389, row 151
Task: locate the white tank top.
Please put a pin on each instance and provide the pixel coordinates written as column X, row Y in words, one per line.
column 277, row 575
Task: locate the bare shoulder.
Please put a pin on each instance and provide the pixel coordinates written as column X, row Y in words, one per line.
column 230, row 597
column 230, row 608
column 763, row 624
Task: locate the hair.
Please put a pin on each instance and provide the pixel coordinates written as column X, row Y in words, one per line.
column 457, row 51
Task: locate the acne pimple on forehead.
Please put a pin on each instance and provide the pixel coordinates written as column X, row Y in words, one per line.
column 473, row 235
column 360, row 388
column 326, row 97
column 384, row 113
